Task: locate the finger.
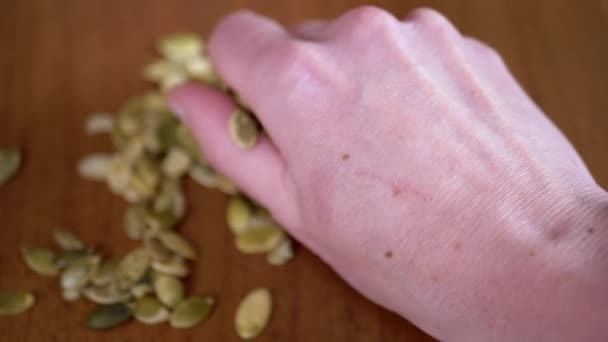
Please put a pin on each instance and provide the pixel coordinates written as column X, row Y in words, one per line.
column 259, row 171
column 309, row 30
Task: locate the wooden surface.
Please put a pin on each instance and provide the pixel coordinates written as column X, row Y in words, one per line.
column 63, row 59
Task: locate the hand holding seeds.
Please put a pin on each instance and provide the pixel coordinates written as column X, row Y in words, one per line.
column 407, row 156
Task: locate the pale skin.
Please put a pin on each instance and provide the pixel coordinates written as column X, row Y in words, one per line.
column 410, row 160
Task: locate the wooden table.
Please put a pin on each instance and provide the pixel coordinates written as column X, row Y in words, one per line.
column 61, row 60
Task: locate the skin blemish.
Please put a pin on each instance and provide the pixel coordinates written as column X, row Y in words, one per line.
column 388, row 254
column 457, row 245
column 345, row 156
column 532, row 253
column 435, row 278
column 590, row 230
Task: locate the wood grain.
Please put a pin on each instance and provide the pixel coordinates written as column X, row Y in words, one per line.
column 61, row 60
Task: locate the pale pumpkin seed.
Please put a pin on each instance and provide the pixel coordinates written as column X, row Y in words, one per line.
column 161, row 69
column 40, row 260
column 282, row 253
column 200, row 68
column 109, row 316
column 10, row 161
column 176, row 163
column 191, row 312
column 253, row 313
column 135, row 221
column 180, row 47
column 95, row 166
column 13, row 302
column 99, row 123
column 67, row 240
column 106, row 295
column 106, row 272
column 149, row 310
column 67, row 258
column 225, row 185
column 259, row 240
column 204, row 175
column 176, row 266
column 177, row 244
column 140, row 290
column 157, row 250
column 238, row 214
column 77, row 275
column 169, row 289
column 71, row 294
column 243, row 129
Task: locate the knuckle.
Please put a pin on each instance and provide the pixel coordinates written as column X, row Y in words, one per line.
column 369, row 21
column 290, row 60
column 432, row 21
column 371, row 16
column 484, row 50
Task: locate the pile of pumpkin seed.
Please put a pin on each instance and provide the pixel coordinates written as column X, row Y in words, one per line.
column 154, row 153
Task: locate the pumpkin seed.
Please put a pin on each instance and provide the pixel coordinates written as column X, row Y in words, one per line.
column 95, row 167
column 71, row 294
column 10, row 160
column 135, row 221
column 106, row 295
column 106, row 272
column 176, row 163
column 161, row 69
column 243, row 129
column 177, row 244
column 134, row 265
column 259, row 240
column 253, row 313
column 109, row 316
column 77, row 275
column 191, row 312
column 200, row 68
column 149, row 310
column 67, row 258
column 157, row 222
column 204, row 175
column 13, row 302
column 157, row 250
column 282, row 253
column 99, row 123
column 119, row 174
column 140, row 290
column 238, row 214
column 40, row 260
column 225, row 185
column 175, row 266
column 67, row 240
column 169, row 289
column 180, row 47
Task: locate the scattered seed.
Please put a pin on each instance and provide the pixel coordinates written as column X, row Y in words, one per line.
column 176, row 163
column 71, row 294
column 169, row 289
column 238, row 214
column 109, row 316
column 259, row 240
column 15, row 302
column 10, row 160
column 77, row 275
column 191, row 312
column 140, row 290
column 181, row 47
column 243, row 129
column 99, row 123
column 95, row 167
column 67, row 240
column 177, row 244
column 149, row 310
column 204, row 175
column 67, row 258
column 106, row 295
column 134, row 265
column 40, row 260
column 157, row 250
column 106, row 272
column 282, row 253
column 253, row 313
column 175, row 266
column 135, row 221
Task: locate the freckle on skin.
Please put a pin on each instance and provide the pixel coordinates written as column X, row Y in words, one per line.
column 457, row 245
column 532, row 253
column 388, row 254
column 590, row 230
column 435, row 278
column 345, row 156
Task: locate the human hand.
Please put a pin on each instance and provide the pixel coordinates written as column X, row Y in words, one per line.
column 409, row 159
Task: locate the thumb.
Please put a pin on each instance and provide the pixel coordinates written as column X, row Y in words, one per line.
column 260, row 171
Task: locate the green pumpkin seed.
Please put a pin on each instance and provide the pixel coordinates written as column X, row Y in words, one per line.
column 177, row 244
column 282, row 253
column 10, row 160
column 175, row 266
column 243, row 129
column 77, row 275
column 157, row 250
column 40, row 260
column 180, row 47
column 176, row 163
column 161, row 69
column 169, row 289
column 15, row 302
column 158, row 222
column 238, row 214
column 225, row 185
column 106, row 295
column 149, row 310
column 134, row 265
column 109, row 316
column 191, row 312
column 253, row 313
column 67, row 258
column 204, row 175
column 67, row 240
column 259, row 240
